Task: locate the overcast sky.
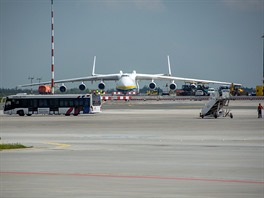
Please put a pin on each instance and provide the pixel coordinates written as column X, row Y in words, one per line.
column 206, row 39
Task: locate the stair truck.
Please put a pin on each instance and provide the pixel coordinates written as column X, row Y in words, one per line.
column 217, row 105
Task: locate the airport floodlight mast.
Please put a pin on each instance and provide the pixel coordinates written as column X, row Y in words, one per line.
column 52, row 48
column 31, row 80
column 39, row 79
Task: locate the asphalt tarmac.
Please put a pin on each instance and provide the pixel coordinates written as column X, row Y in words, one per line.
column 135, row 149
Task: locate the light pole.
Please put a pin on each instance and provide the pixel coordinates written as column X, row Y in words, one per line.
column 39, row 79
column 31, row 79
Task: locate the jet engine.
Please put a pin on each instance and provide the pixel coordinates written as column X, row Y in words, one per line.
column 152, row 85
column 63, row 88
column 82, row 86
column 101, row 86
column 173, row 86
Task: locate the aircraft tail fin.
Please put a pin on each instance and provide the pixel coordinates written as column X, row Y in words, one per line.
column 169, row 67
column 93, row 72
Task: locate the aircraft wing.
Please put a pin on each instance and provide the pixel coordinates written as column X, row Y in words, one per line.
column 107, row 77
column 168, row 77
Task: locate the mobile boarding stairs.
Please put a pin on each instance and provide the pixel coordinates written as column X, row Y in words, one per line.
column 217, row 106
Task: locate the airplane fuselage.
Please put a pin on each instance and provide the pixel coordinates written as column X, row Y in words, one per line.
column 126, row 82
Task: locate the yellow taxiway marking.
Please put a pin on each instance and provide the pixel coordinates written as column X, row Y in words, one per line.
column 59, row 145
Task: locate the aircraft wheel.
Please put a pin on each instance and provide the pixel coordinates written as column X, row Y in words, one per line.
column 231, row 115
column 215, row 116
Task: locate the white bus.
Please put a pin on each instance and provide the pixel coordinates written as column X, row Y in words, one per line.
column 67, row 104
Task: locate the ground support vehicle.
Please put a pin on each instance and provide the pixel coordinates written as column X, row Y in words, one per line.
column 217, row 106
column 67, row 104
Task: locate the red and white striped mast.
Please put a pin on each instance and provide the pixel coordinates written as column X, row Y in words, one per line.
column 52, row 48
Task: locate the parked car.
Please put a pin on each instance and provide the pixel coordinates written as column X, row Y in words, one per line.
column 199, row 93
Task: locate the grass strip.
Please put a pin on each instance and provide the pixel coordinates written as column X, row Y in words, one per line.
column 13, row 146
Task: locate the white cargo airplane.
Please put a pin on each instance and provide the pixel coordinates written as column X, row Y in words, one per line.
column 126, row 82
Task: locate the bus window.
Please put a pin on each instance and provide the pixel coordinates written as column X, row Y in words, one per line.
column 16, row 103
column 24, row 103
column 71, row 103
column 78, row 102
column 54, row 102
column 43, row 103
column 62, row 103
column 33, row 103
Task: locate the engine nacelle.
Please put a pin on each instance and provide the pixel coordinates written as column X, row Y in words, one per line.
column 63, row 88
column 82, row 86
column 173, row 86
column 152, row 85
column 101, row 86
column 44, row 89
